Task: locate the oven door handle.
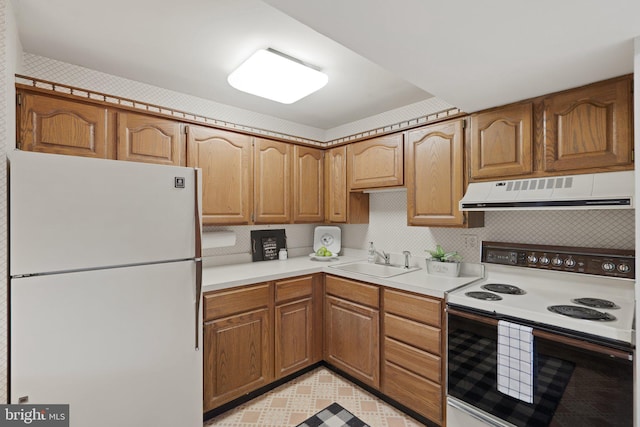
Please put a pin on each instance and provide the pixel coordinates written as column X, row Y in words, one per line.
column 573, row 342
column 476, row 413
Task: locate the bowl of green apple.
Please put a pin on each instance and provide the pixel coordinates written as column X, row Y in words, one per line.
column 323, row 254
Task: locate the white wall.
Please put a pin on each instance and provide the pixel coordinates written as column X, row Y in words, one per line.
column 10, row 58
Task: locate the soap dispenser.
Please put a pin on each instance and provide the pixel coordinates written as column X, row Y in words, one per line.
column 372, row 253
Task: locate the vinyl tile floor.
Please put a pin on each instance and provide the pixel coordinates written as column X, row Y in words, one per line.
column 293, row 402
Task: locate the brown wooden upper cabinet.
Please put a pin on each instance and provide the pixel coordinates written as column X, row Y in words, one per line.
column 342, row 206
column 435, row 176
column 54, row 125
column 149, row 139
column 272, row 181
column 589, row 127
column 227, row 173
column 308, row 184
column 501, row 142
column 583, row 130
column 376, row 162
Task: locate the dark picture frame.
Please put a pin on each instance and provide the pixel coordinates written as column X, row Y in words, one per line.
column 265, row 244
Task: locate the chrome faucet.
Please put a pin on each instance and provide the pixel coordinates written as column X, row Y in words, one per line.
column 385, row 256
column 373, row 252
column 407, row 255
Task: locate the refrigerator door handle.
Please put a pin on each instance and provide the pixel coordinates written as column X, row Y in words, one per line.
column 198, row 216
column 198, row 299
column 198, row 255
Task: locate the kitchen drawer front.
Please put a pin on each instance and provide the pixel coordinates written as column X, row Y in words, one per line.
column 296, row 288
column 353, row 291
column 421, row 309
column 225, row 303
column 413, row 391
column 413, row 333
column 415, row 360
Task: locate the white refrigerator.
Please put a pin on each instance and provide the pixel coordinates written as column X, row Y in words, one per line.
column 105, row 290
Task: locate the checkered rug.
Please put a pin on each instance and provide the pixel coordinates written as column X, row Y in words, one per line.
column 333, row 415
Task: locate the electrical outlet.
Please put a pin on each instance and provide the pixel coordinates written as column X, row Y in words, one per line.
column 470, row 241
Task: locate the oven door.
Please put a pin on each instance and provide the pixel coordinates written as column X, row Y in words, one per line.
column 576, row 381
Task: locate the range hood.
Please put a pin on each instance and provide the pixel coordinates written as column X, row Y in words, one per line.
column 609, row 190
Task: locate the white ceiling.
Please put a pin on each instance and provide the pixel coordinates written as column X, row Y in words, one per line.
column 379, row 54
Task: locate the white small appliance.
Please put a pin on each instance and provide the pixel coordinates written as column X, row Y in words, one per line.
column 328, row 236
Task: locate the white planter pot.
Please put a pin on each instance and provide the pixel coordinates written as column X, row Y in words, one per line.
column 437, row 268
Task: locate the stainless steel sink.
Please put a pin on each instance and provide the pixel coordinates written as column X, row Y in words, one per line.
column 377, row 270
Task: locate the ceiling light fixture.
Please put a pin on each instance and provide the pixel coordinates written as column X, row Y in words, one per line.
column 276, row 76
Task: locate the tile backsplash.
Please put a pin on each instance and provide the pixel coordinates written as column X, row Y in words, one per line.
column 388, row 230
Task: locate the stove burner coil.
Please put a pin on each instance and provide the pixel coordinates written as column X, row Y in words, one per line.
column 595, row 303
column 578, row 312
column 487, row 296
column 501, row 288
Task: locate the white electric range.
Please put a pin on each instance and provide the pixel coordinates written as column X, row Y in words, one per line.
column 598, row 282
column 575, row 360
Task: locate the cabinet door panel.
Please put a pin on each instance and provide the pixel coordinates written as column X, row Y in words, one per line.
column 588, row 127
column 336, row 184
column 376, row 162
column 238, row 356
column 272, row 182
column 54, row 125
column 501, row 142
column 352, row 339
column 227, row 168
column 413, row 333
column 435, row 175
column 420, row 394
column 150, row 139
column 294, row 337
column 422, row 309
column 413, row 359
column 342, row 206
column 308, row 185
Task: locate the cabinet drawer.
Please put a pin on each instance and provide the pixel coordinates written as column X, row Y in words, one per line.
column 353, row 291
column 295, row 288
column 417, row 361
column 417, row 393
column 422, row 309
column 413, row 333
column 225, row 303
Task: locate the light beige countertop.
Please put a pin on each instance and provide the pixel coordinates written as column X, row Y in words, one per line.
column 228, row 276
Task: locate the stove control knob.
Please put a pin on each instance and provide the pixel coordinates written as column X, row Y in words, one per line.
column 532, row 259
column 544, row 260
column 556, row 261
column 608, row 266
column 624, row 268
column 570, row 262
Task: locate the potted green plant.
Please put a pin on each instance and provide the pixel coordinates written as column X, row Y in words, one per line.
column 443, row 263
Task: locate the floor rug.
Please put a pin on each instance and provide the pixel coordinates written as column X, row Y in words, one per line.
column 473, row 377
column 333, row 415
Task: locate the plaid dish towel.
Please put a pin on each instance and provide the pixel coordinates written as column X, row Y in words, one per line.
column 515, row 360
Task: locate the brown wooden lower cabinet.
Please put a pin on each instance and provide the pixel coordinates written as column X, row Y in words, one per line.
column 389, row 339
column 352, row 339
column 297, row 324
column 238, row 343
column 412, row 367
column 413, row 391
column 256, row 334
column 352, row 329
